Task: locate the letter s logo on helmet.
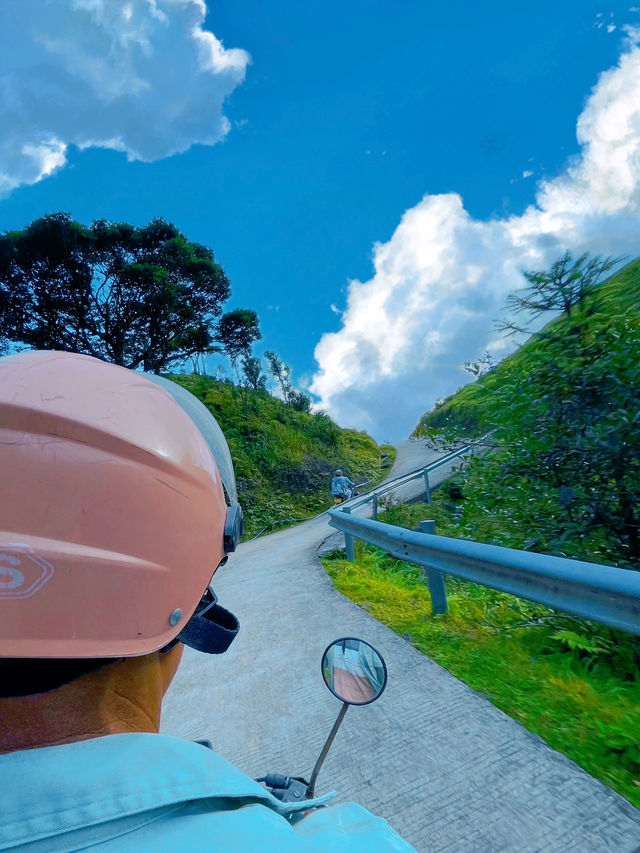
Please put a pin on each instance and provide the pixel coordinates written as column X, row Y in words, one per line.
column 115, row 494
column 22, row 573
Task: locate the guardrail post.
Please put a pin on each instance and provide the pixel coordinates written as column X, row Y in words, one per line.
column 427, row 491
column 374, row 507
column 348, row 542
column 435, row 579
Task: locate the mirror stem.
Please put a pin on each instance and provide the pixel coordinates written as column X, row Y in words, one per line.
column 325, row 749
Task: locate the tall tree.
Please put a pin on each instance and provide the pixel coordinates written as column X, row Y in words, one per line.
column 252, row 373
column 237, row 330
column 563, row 287
column 280, row 372
column 135, row 296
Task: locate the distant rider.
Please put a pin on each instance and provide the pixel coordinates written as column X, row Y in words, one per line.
column 341, row 486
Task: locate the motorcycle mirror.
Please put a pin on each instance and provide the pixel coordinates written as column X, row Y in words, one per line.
column 356, row 674
column 354, row 671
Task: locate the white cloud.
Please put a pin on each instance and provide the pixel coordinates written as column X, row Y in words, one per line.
column 441, row 281
column 611, row 28
column 527, row 173
column 142, row 77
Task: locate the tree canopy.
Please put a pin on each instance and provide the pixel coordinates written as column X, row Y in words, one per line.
column 237, row 330
column 137, row 296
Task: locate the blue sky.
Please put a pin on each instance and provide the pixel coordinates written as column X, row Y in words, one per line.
column 351, row 113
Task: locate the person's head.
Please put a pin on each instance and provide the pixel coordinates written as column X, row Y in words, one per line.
column 113, row 519
column 338, row 473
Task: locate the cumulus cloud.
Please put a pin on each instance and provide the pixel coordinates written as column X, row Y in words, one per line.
column 138, row 76
column 441, row 281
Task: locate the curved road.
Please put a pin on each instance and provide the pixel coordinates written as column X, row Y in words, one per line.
column 446, row 768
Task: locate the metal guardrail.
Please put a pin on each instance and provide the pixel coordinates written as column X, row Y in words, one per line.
column 604, row 594
column 374, row 495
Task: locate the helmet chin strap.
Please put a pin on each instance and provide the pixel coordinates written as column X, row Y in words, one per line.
column 212, row 631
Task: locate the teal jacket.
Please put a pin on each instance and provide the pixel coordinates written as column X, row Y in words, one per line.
column 150, row 793
column 341, row 486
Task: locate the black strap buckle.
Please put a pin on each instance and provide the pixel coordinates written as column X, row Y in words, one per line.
column 208, row 600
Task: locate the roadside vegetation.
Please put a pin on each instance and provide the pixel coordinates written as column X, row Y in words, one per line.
column 560, row 475
column 283, row 457
column 571, row 682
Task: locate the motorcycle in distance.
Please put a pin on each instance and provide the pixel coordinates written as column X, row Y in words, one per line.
column 353, row 493
column 356, row 674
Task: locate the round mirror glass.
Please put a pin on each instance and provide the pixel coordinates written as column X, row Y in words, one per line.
column 354, row 671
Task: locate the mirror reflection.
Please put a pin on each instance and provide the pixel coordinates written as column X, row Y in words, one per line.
column 354, row 671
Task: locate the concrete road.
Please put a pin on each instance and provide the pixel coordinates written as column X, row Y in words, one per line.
column 448, row 770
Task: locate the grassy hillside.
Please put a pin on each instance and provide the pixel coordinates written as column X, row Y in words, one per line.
column 564, row 475
column 284, row 458
column 480, row 405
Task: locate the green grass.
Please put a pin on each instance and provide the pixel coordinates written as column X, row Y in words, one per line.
column 283, row 458
column 584, row 702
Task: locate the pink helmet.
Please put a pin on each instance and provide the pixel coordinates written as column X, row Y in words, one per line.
column 112, row 508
